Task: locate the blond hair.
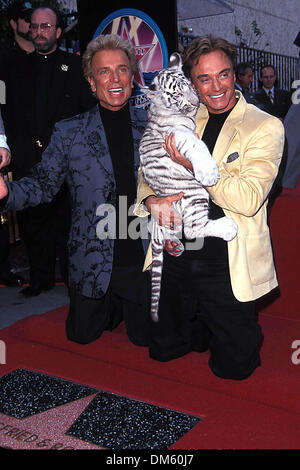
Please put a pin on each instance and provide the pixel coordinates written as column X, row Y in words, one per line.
column 107, row 42
column 205, row 45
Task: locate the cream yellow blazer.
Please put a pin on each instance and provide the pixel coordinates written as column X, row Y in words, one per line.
column 256, row 139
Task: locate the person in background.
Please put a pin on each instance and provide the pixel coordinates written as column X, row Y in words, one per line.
column 291, row 174
column 244, row 79
column 275, row 100
column 18, row 15
column 7, row 277
column 19, row 42
column 43, row 88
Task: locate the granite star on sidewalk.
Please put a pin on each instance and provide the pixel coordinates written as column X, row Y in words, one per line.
column 45, row 430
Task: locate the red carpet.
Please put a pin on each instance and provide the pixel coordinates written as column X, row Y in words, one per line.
column 285, row 233
column 261, row 412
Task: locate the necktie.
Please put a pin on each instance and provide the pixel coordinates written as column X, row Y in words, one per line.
column 271, row 96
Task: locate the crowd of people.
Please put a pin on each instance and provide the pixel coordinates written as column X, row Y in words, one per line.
column 269, row 97
column 71, row 137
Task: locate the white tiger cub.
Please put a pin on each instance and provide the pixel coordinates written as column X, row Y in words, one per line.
column 172, row 109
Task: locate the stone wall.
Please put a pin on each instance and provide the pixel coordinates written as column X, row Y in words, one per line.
column 279, row 20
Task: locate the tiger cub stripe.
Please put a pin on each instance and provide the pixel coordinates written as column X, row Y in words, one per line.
column 173, row 107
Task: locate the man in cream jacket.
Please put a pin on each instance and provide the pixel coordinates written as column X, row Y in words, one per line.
column 207, row 297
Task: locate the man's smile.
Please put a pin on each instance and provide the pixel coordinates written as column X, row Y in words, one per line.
column 115, row 90
column 218, row 96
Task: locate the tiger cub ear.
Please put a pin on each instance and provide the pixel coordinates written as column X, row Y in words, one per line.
column 175, row 61
column 149, row 91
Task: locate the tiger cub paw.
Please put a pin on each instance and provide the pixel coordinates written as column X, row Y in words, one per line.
column 208, row 176
column 174, row 248
column 229, row 228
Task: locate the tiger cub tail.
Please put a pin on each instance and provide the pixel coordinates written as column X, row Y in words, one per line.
column 157, row 245
column 159, row 235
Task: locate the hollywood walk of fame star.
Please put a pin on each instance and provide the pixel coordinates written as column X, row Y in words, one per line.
column 45, row 430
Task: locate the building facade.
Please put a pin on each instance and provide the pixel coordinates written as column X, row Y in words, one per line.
column 277, row 20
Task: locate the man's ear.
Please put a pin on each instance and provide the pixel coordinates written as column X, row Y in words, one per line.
column 58, row 32
column 149, row 91
column 92, row 84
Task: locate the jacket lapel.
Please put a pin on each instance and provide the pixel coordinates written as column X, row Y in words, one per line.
column 97, row 142
column 224, row 140
column 229, row 128
column 138, row 120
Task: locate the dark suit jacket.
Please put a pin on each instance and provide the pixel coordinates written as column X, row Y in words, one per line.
column 79, row 153
column 69, row 95
column 291, row 126
column 282, row 102
column 249, row 96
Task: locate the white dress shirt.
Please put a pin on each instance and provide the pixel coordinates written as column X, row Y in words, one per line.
column 270, row 93
column 3, row 142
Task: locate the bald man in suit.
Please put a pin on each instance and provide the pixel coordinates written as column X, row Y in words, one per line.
column 275, row 100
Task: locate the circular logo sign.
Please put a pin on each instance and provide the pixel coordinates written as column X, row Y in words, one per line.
column 147, row 39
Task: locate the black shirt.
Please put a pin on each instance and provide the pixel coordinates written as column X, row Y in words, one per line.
column 117, row 126
column 213, row 247
column 43, row 75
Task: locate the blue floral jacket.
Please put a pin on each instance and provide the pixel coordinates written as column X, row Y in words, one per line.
column 78, row 154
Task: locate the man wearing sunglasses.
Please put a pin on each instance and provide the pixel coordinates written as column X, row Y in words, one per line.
column 45, row 87
column 18, row 15
column 18, row 43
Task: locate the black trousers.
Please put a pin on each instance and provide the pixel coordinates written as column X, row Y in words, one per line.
column 198, row 311
column 127, row 299
column 44, row 230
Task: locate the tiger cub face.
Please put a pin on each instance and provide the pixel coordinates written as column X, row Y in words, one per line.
column 171, row 90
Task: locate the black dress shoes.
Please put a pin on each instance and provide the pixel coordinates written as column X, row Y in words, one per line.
column 10, row 279
column 35, row 289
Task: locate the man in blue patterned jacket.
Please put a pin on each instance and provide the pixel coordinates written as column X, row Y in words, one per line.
column 97, row 154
